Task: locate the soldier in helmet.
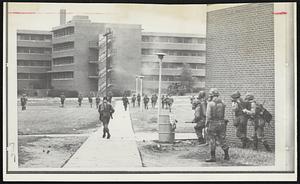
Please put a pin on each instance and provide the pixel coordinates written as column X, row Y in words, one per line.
column 90, row 97
column 258, row 121
column 105, row 111
column 62, row 99
column 125, row 101
column 23, row 102
column 240, row 118
column 98, row 100
column 199, row 105
column 216, row 125
column 80, row 99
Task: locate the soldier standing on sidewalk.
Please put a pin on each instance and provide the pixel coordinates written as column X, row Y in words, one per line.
column 258, row 121
column 125, row 102
column 199, row 105
column 105, row 111
column 216, row 125
column 240, row 118
column 163, row 101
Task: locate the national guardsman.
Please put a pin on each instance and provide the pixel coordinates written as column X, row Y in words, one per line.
column 216, row 125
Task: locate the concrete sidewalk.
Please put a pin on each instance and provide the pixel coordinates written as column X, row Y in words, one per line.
column 118, row 151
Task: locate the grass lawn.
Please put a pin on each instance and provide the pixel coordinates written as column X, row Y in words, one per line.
column 57, row 120
column 146, row 120
column 44, row 116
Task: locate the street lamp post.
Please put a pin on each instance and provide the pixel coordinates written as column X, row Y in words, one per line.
column 160, row 56
column 136, row 84
column 141, row 90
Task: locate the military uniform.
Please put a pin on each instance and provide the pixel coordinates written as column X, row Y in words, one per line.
column 105, row 110
column 23, row 102
column 258, row 122
column 97, row 101
column 80, row 100
column 138, row 98
column 153, row 101
column 133, row 98
column 240, row 118
column 146, row 100
column 216, row 125
column 62, row 99
column 125, row 102
column 163, row 101
column 91, row 100
column 199, row 105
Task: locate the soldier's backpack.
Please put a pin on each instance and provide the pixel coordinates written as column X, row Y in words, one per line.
column 263, row 112
column 218, row 110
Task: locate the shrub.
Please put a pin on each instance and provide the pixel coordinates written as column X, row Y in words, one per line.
column 67, row 93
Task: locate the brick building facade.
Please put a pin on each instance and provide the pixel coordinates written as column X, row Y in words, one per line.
column 240, row 56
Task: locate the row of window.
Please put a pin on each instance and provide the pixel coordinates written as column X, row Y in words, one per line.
column 58, row 75
column 172, row 65
column 33, row 63
column 173, row 52
column 169, row 39
column 62, row 75
column 34, row 50
column 63, row 46
column 63, row 32
column 170, row 78
column 63, row 60
column 34, row 37
column 31, row 76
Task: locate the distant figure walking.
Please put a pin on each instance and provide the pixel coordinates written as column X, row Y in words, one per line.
column 153, row 100
column 125, row 102
column 105, row 111
column 62, row 99
column 163, row 101
column 138, row 98
column 91, row 99
column 133, row 98
column 97, row 101
column 146, row 101
column 80, row 98
column 23, row 102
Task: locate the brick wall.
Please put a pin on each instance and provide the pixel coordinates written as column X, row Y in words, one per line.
column 240, row 56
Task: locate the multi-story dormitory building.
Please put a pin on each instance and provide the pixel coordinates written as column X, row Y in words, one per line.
column 73, row 57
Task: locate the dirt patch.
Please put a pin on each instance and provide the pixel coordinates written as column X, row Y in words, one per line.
column 43, row 152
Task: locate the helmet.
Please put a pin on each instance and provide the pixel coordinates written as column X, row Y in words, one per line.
column 214, row 92
column 236, row 94
column 201, row 94
column 249, row 96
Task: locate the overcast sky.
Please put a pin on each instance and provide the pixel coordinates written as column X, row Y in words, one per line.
column 153, row 18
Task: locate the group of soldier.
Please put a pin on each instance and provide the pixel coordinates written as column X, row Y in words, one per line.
column 166, row 101
column 210, row 119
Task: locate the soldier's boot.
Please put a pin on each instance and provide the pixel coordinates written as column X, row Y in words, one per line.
column 226, row 156
column 108, row 134
column 267, row 146
column 201, row 140
column 104, row 133
column 212, row 157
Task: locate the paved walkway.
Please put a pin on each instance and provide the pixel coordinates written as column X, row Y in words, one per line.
column 118, row 151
